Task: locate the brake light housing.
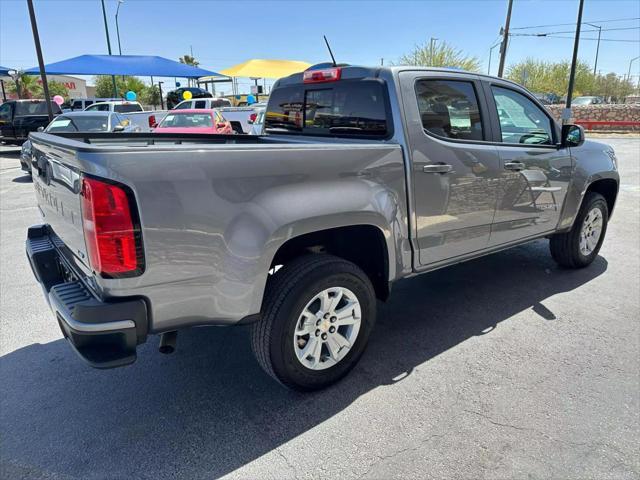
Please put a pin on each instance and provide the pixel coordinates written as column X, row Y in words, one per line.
column 322, row 75
column 111, row 228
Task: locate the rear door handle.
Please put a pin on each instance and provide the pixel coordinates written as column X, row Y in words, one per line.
column 515, row 166
column 437, row 168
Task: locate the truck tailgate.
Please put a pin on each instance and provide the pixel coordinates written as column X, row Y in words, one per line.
column 57, row 184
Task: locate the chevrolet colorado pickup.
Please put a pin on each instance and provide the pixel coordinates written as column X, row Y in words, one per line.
column 364, row 176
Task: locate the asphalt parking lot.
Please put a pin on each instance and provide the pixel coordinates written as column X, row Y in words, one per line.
column 502, row 367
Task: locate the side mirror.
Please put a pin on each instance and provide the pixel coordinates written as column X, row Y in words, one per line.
column 118, row 128
column 40, row 129
column 572, row 135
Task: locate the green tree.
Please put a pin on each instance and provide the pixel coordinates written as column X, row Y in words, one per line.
column 104, row 86
column 29, row 86
column 58, row 88
column 189, row 60
column 150, row 95
column 442, row 55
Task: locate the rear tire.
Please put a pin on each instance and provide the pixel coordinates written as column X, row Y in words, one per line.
column 289, row 310
column 578, row 247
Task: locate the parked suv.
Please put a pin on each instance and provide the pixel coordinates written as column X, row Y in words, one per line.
column 176, row 96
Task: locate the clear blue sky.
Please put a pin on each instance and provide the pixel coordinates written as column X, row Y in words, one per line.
column 224, row 33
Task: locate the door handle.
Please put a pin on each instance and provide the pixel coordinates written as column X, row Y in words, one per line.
column 437, row 168
column 514, row 166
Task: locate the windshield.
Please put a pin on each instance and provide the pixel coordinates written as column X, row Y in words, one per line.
column 343, row 108
column 35, row 107
column 187, row 120
column 84, row 123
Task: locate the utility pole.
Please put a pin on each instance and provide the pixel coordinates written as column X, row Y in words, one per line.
column 43, row 74
column 120, row 2
column 595, row 65
column 566, row 115
column 505, row 40
column 106, row 29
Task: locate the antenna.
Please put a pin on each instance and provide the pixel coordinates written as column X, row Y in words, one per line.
column 333, row 59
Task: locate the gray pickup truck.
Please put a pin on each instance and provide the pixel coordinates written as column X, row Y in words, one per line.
column 364, row 176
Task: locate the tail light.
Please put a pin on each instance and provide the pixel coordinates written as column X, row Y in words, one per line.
column 252, row 117
column 152, row 121
column 111, row 229
column 322, row 75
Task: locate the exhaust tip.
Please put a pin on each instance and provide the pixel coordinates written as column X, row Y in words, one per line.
column 168, row 342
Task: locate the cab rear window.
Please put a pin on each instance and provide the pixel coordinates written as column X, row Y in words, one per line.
column 347, row 108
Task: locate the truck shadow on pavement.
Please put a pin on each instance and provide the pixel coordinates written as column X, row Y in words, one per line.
column 208, row 409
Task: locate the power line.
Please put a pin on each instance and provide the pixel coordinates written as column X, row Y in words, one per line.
column 564, row 36
column 573, row 31
column 590, row 21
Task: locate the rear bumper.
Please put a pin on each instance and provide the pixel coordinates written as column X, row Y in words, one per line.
column 105, row 333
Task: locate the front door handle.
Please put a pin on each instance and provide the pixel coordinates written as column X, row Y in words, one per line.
column 514, row 166
column 437, row 168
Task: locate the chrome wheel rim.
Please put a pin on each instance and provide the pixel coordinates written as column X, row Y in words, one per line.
column 591, row 231
column 327, row 328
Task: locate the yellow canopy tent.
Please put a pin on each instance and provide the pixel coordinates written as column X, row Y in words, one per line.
column 258, row 68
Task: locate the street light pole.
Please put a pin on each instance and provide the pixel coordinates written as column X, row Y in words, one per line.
column 432, row 44
column 629, row 72
column 120, row 2
column 595, row 64
column 566, row 115
column 106, row 29
column 43, row 74
column 505, row 40
column 490, row 52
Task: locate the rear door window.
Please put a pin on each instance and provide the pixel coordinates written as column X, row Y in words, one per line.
column 449, row 108
column 200, row 104
column 347, row 108
column 127, row 107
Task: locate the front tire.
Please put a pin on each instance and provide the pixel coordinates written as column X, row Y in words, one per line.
column 317, row 315
column 578, row 247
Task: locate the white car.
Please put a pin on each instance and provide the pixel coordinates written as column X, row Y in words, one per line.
column 241, row 118
column 119, row 106
column 206, row 103
column 257, row 124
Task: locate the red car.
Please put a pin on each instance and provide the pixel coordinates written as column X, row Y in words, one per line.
column 194, row 121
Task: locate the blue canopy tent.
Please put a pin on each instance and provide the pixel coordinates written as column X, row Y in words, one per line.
column 4, row 70
column 141, row 65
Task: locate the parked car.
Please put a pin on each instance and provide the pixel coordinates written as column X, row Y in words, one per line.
column 241, row 100
column 74, row 122
column 241, row 117
column 194, row 121
column 587, row 101
column 176, row 96
column 361, row 179
column 79, row 104
column 203, row 103
column 20, row 117
column 256, row 120
column 120, row 106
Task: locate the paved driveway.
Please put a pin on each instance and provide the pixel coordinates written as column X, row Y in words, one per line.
column 502, row 367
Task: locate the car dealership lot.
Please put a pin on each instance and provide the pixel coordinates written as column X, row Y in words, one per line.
column 502, row 367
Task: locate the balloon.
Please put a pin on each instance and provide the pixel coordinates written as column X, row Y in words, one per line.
column 251, row 99
column 187, row 95
column 130, row 96
column 58, row 99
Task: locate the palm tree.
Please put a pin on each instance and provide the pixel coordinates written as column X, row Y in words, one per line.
column 189, row 60
column 29, row 86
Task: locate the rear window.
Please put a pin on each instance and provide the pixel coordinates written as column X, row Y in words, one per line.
column 193, row 120
column 35, row 108
column 356, row 108
column 127, row 107
column 84, row 123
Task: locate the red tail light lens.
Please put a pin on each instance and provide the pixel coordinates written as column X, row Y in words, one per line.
column 152, row 121
column 111, row 229
column 252, row 117
column 322, row 75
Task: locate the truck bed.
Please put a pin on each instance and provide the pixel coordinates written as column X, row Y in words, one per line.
column 213, row 210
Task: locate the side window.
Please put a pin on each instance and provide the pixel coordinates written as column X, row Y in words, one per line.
column 77, row 105
column 200, row 104
column 449, row 108
column 5, row 112
column 521, row 120
column 183, row 106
